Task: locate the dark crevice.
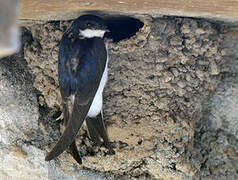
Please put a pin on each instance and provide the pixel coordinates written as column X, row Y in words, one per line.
column 122, row 27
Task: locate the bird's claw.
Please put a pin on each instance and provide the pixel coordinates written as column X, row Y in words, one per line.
column 61, row 117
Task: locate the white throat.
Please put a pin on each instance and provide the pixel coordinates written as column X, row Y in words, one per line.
column 89, row 33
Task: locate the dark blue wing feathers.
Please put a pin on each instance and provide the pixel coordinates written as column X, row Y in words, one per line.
column 78, row 63
column 81, row 66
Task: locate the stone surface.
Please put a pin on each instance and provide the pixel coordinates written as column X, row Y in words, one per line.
column 224, row 107
column 19, row 107
column 9, row 32
column 216, row 150
column 158, row 82
column 62, row 10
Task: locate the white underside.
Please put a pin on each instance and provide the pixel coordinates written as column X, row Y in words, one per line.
column 89, row 33
column 96, row 106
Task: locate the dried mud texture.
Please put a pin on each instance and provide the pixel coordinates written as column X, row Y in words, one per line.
column 158, row 81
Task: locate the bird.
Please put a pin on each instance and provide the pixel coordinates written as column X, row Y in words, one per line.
column 82, row 75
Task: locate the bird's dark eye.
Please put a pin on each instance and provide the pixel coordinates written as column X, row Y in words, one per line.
column 89, row 24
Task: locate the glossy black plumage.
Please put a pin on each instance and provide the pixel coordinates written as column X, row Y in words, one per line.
column 81, row 65
column 97, row 130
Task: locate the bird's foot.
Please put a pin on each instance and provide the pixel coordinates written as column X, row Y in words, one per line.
column 61, row 117
column 110, row 147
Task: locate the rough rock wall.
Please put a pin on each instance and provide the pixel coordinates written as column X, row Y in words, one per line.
column 158, row 83
column 22, row 137
column 215, row 141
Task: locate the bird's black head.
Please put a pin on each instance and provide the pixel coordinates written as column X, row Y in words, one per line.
column 90, row 26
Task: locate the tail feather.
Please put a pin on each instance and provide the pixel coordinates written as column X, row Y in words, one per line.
column 74, row 123
column 97, row 130
column 74, row 152
column 93, row 133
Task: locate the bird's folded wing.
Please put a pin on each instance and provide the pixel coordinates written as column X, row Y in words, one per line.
column 74, row 124
column 87, row 76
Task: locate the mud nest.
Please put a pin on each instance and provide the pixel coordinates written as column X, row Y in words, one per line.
column 158, row 81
